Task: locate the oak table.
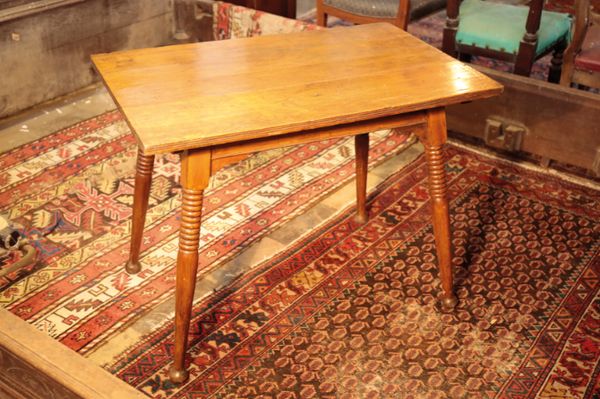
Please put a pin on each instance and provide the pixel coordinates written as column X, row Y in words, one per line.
column 217, row 102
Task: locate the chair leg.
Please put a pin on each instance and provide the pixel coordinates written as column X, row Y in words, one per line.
column 567, row 67
column 465, row 57
column 321, row 18
column 525, row 57
column 451, row 27
column 449, row 38
column 556, row 63
column 143, row 180
column 565, row 75
column 321, row 15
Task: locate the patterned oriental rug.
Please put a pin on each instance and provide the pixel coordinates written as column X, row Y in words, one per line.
column 71, row 194
column 350, row 310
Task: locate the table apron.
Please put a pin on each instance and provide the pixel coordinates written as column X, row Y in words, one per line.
column 225, row 154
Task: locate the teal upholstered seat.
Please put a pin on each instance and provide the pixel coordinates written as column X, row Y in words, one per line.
column 501, row 27
column 373, row 8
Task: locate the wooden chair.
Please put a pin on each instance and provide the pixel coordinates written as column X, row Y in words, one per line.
column 365, row 11
column 513, row 33
column 582, row 57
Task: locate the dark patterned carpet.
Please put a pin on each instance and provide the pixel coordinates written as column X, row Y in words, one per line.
column 350, row 310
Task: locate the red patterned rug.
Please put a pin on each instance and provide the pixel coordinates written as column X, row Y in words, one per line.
column 350, row 310
column 71, row 193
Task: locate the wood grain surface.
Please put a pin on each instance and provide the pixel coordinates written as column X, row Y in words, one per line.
column 203, row 94
column 35, row 366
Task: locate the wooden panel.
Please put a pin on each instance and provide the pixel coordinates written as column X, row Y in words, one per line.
column 416, row 121
column 19, row 9
column 34, row 366
column 562, row 123
column 46, row 55
column 21, row 380
column 202, row 94
column 4, row 4
column 230, row 153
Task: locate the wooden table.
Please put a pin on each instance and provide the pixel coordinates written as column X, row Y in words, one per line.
column 217, row 102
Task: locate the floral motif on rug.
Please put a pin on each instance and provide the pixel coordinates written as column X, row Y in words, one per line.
column 71, row 194
column 350, row 311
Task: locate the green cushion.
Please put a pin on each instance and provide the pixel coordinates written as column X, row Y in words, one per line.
column 502, row 26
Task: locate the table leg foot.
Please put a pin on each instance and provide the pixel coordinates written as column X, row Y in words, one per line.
column 362, row 219
column 449, row 303
column 143, row 180
column 178, row 376
column 133, row 267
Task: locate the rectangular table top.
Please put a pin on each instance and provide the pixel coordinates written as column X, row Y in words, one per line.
column 202, row 94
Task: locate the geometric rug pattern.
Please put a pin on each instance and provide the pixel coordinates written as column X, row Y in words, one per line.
column 71, row 195
column 350, row 311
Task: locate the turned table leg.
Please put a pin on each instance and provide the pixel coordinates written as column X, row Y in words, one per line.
column 143, row 180
column 433, row 140
column 361, row 150
column 195, row 173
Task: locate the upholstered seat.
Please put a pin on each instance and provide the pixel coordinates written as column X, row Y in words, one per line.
column 501, row 27
column 513, row 33
column 366, row 11
column 372, row 8
column 582, row 57
column 589, row 57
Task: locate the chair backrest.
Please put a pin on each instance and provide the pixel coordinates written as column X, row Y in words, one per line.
column 365, row 11
column 534, row 18
column 585, row 18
